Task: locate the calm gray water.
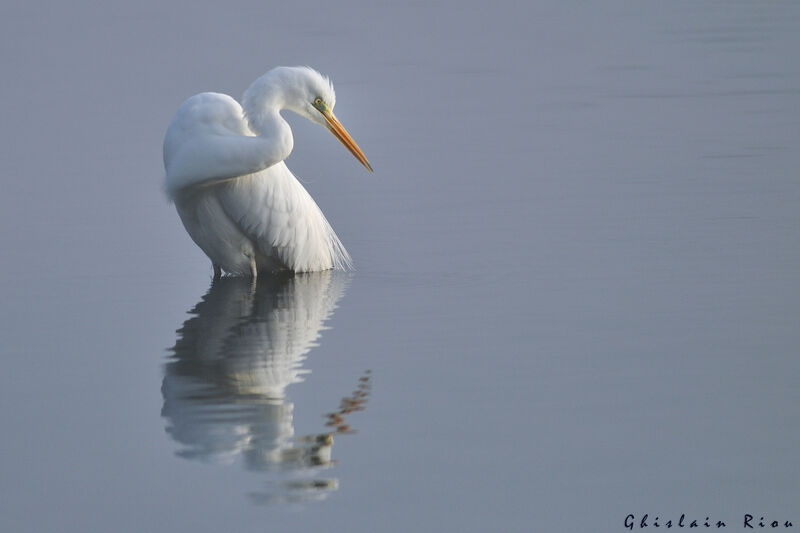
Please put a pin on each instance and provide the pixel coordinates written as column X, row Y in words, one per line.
column 576, row 294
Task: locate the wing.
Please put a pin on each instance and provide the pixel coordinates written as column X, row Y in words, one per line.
column 276, row 213
column 208, row 141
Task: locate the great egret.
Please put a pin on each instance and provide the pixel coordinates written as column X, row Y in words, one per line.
column 235, row 196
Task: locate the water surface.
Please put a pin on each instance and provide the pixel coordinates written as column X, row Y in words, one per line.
column 576, row 285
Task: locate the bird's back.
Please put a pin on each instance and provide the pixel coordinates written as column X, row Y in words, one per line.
column 209, row 139
column 204, row 114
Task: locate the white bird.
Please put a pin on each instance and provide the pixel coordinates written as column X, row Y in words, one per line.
column 236, row 198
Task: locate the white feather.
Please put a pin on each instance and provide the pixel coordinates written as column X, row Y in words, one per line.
column 236, row 198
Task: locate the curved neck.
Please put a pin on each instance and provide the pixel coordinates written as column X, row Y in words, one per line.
column 270, row 126
column 262, row 103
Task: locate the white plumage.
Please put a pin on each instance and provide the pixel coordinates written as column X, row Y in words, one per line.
column 235, row 196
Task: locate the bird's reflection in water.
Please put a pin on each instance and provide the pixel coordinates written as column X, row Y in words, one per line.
column 225, row 385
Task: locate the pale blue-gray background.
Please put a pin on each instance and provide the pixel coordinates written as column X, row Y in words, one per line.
column 578, row 262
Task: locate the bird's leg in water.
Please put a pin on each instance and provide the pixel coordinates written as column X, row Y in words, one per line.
column 253, row 268
column 217, row 271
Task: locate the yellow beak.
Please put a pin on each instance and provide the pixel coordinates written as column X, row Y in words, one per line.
column 338, row 130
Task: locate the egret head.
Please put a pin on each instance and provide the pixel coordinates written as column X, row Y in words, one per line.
column 318, row 99
column 316, row 94
column 306, row 92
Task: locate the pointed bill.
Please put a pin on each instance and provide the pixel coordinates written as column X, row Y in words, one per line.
column 338, row 130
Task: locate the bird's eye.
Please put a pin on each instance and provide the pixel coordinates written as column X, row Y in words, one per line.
column 318, row 102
